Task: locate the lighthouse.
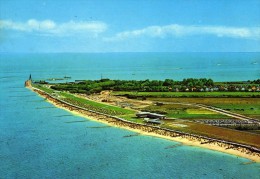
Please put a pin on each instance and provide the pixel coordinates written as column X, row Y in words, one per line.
column 28, row 82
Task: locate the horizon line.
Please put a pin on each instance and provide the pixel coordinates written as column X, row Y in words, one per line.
column 130, row 52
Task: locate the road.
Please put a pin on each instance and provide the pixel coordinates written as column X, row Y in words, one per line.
column 218, row 110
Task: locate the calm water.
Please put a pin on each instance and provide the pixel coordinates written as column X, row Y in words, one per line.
column 218, row 66
column 40, row 141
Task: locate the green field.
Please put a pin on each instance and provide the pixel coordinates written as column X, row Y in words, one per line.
column 188, row 94
column 184, row 112
column 101, row 107
column 246, row 106
column 43, row 88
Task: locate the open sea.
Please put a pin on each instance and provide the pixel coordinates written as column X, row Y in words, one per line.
column 38, row 140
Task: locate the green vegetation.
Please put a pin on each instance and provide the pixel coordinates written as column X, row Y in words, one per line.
column 187, row 94
column 82, row 102
column 43, row 88
column 100, row 107
column 168, row 85
column 89, row 86
column 246, row 106
column 186, row 114
column 133, row 118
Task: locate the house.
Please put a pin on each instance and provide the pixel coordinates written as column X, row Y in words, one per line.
column 150, row 115
column 79, row 81
column 193, row 89
column 41, row 82
column 216, row 89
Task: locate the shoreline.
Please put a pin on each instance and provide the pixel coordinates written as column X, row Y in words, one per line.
column 152, row 131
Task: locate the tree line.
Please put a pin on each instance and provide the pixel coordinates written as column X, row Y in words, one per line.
column 96, row 86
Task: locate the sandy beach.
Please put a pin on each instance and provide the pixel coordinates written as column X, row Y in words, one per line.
column 186, row 140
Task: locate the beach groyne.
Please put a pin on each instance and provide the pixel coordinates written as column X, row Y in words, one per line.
column 148, row 129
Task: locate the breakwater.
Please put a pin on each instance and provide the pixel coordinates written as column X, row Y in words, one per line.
column 120, row 122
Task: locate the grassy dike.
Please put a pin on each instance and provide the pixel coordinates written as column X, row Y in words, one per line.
column 92, row 105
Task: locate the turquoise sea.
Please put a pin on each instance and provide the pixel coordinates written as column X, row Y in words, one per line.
column 38, row 140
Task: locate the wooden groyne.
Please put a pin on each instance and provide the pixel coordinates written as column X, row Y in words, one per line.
column 117, row 121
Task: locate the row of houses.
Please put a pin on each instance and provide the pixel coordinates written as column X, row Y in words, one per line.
column 220, row 88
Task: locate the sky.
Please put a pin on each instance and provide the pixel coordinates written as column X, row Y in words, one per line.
column 129, row 26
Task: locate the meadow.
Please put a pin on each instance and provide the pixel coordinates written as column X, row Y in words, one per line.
column 213, row 94
column 246, row 106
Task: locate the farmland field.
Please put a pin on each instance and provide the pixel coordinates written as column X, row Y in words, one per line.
column 246, row 106
column 216, row 132
column 189, row 94
column 185, row 112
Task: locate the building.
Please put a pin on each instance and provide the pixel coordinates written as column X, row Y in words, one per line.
column 150, row 115
column 154, row 121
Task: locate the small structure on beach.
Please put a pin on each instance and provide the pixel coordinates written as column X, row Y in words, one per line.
column 150, row 115
column 154, row 121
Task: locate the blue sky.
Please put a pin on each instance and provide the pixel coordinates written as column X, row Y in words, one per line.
column 129, row 26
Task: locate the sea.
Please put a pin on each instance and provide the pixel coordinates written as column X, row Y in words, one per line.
column 38, row 140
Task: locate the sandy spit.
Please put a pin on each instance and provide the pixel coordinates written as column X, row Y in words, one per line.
column 186, row 140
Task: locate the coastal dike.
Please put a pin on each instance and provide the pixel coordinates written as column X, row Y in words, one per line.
column 237, row 149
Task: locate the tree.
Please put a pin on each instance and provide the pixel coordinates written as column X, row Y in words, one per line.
column 168, row 82
column 209, row 82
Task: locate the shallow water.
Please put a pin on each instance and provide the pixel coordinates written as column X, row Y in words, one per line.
column 40, row 141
